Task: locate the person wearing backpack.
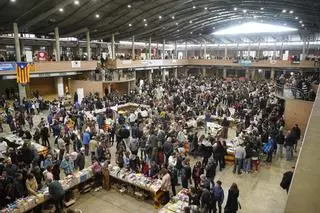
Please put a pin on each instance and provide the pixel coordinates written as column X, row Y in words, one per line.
column 286, row 179
column 207, row 200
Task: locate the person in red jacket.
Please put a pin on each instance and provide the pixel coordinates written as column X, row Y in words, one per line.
column 196, row 172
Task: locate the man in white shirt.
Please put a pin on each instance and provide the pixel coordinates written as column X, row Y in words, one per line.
column 3, row 147
column 172, row 161
column 165, row 186
column 240, row 155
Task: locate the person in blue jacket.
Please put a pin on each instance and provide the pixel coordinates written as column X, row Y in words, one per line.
column 85, row 141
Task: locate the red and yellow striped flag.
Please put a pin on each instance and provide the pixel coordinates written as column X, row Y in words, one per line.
column 23, row 73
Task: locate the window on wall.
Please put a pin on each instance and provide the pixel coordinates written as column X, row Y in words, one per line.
column 270, row 53
column 249, row 54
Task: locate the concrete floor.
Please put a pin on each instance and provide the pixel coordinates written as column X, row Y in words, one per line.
column 259, row 192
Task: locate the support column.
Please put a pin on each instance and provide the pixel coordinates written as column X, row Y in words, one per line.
column 88, row 46
column 113, row 50
column 129, row 87
column 109, row 88
column 175, row 50
column 204, row 71
column 247, row 73
column 22, row 89
column 175, row 73
column 57, row 40
column 258, row 53
column 163, row 75
column 186, row 51
column 149, row 49
column 60, row 87
column 303, row 51
column 253, row 74
column 224, row 72
column 163, row 49
column 275, row 51
column 225, row 52
column 133, row 53
column 157, row 50
column 150, row 76
column 273, row 74
column 205, row 50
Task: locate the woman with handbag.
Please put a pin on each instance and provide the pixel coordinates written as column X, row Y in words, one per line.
column 232, row 201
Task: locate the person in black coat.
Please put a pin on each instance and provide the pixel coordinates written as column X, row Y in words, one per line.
column 211, row 170
column 80, row 160
column 232, row 201
column 296, row 131
column 27, row 154
column 19, row 186
column 219, row 155
column 186, row 174
column 207, row 200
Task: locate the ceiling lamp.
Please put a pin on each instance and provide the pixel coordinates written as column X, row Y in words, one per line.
column 291, row 11
column 206, row 8
column 160, row 17
column 194, row 7
column 145, row 24
column 302, row 25
column 235, row 9
column 129, row 5
column 190, row 21
column 296, row 18
column 61, row 10
column 244, row 11
column 284, row 11
column 261, row 8
column 130, row 25
column 97, row 16
column 253, row 27
column 172, row 17
column 144, row 20
column 177, row 23
column 76, row 2
column 13, row 0
column 300, row 21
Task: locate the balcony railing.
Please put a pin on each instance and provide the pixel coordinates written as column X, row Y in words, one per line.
column 67, row 66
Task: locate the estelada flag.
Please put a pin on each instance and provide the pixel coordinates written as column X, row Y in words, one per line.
column 23, row 73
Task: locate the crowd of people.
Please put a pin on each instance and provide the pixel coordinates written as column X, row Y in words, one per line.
column 154, row 140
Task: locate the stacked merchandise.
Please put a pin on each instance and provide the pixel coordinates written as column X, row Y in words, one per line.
column 136, row 179
column 30, row 202
column 177, row 203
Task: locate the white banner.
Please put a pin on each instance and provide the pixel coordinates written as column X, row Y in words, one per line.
column 29, row 57
column 76, row 64
column 80, row 93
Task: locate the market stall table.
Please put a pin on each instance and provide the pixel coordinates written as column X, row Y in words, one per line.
column 177, row 203
column 18, row 142
column 30, row 202
column 137, row 180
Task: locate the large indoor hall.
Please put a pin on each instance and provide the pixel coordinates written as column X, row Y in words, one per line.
column 167, row 106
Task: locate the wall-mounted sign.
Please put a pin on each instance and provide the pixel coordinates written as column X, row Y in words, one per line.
column 42, row 56
column 76, row 64
column 7, row 66
column 245, row 63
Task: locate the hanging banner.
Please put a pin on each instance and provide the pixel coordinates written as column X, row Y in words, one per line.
column 23, row 73
column 76, row 64
column 42, row 56
column 7, row 66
